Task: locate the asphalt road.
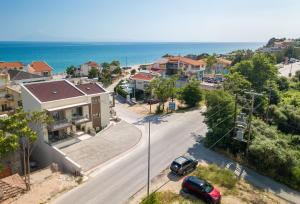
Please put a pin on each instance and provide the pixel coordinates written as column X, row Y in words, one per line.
column 171, row 136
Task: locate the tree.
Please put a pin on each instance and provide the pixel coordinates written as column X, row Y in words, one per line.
column 115, row 63
column 132, row 72
column 105, row 65
column 71, row 70
column 22, row 128
column 93, row 73
column 105, row 77
column 117, row 70
column 283, row 83
column 219, row 117
column 191, row 94
column 236, row 82
column 210, row 61
column 258, row 70
column 162, row 90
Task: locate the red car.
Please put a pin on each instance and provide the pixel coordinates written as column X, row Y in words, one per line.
column 202, row 189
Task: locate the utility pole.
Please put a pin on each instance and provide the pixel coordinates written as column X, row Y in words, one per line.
column 148, row 178
column 253, row 94
column 267, row 114
column 235, row 111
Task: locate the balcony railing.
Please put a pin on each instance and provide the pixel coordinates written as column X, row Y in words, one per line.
column 77, row 119
column 58, row 124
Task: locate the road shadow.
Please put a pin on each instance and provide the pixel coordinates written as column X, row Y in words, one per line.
column 154, row 119
column 203, row 154
column 173, row 177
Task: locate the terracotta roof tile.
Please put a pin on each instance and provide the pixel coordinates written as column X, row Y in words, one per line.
column 11, row 65
column 187, row 61
column 40, row 66
column 142, row 76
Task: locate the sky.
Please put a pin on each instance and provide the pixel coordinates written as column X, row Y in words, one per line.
column 149, row 20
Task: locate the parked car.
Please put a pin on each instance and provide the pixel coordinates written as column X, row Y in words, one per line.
column 183, row 165
column 201, row 189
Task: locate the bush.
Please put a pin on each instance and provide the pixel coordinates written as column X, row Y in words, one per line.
column 121, row 92
column 217, row 175
column 191, row 94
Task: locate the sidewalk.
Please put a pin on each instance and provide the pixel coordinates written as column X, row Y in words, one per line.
column 205, row 155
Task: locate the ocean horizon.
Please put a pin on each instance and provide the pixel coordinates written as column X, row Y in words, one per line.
column 60, row 55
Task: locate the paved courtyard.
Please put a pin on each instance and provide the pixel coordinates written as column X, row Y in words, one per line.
column 104, row 146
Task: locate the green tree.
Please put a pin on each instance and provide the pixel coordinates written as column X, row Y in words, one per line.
column 210, row 61
column 115, row 63
column 105, row 77
column 258, row 70
column 105, row 65
column 132, row 72
column 236, row 82
column 191, row 94
column 71, row 70
column 117, row 71
column 22, row 128
column 93, row 73
column 219, row 117
column 161, row 88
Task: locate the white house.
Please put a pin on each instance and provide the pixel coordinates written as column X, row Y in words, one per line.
column 86, row 67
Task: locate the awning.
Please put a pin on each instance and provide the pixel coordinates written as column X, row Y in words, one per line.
column 66, row 107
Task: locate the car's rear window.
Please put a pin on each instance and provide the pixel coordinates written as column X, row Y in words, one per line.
column 176, row 164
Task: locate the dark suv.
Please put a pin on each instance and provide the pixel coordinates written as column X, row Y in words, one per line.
column 202, row 189
column 183, row 165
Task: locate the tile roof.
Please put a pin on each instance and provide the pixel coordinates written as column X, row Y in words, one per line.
column 92, row 64
column 143, row 76
column 53, row 90
column 224, row 61
column 186, row 60
column 90, row 88
column 21, row 75
column 40, row 66
column 11, row 65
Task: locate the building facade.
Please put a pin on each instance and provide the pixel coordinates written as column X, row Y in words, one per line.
column 40, row 68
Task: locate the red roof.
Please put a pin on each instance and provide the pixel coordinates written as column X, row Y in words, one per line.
column 186, row 61
column 54, row 90
column 11, row 65
column 92, row 64
column 90, row 88
column 142, row 76
column 40, row 67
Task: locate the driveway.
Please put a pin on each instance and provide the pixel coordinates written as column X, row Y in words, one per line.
column 104, row 146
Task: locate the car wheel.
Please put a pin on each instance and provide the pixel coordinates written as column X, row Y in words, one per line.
column 185, row 190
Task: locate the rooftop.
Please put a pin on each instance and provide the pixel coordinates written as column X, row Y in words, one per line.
column 92, row 64
column 54, row 90
column 90, row 88
column 142, row 76
column 21, row 75
column 187, row 60
column 40, row 66
column 8, row 65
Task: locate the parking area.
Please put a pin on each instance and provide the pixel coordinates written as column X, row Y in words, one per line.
column 106, row 145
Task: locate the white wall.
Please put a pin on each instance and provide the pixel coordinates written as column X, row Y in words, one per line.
column 105, row 114
column 29, row 102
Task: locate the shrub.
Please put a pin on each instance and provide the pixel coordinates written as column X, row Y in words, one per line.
column 121, row 92
column 191, row 94
column 217, row 175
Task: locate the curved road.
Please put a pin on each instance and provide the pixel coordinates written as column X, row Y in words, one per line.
column 115, row 182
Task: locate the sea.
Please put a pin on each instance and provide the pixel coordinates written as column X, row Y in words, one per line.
column 60, row 55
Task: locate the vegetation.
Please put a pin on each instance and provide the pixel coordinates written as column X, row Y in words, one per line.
column 71, row 70
column 132, row 72
column 274, row 139
column 109, row 69
column 191, row 94
column 19, row 131
column 168, row 197
column 162, row 89
column 210, row 61
column 93, row 73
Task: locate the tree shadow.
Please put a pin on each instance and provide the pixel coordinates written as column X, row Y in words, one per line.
column 154, row 119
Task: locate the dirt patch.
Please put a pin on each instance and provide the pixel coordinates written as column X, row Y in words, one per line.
column 45, row 186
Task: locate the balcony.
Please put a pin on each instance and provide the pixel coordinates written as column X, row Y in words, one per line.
column 7, row 97
column 59, row 124
column 78, row 119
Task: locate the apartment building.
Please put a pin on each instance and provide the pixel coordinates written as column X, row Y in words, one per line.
column 4, row 66
column 75, row 109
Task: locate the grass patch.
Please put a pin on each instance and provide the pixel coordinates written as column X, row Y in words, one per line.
column 167, row 197
column 216, row 175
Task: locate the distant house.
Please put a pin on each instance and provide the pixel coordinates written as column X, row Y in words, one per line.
column 4, row 66
column 189, row 67
column 40, row 68
column 20, row 76
column 141, row 80
column 220, row 67
column 10, row 97
column 86, row 67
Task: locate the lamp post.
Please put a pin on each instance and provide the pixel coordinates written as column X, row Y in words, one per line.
column 148, row 168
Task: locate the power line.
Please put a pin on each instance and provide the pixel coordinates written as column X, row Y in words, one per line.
column 220, row 138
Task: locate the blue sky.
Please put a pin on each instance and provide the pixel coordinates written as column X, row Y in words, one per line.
column 149, row 20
